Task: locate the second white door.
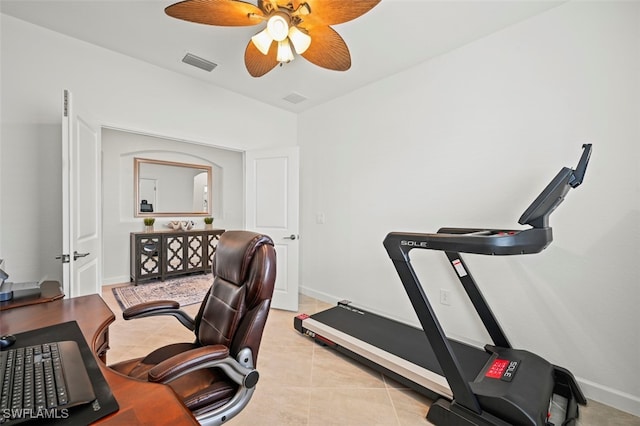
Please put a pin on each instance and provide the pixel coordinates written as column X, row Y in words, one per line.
column 272, row 208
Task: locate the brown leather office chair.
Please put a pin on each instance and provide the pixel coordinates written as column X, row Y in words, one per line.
column 215, row 375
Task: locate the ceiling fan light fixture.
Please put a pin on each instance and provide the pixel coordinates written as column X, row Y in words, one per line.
column 300, row 40
column 278, row 27
column 285, row 54
column 294, row 25
column 262, row 41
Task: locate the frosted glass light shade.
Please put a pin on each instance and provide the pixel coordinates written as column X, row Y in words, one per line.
column 278, row 27
column 285, row 54
column 262, row 41
column 300, row 40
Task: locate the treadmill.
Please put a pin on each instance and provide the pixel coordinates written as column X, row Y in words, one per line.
column 494, row 385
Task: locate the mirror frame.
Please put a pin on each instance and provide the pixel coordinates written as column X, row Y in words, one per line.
column 136, row 187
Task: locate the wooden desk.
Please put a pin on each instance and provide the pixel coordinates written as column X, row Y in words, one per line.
column 141, row 403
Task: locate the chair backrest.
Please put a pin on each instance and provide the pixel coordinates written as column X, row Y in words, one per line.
column 235, row 309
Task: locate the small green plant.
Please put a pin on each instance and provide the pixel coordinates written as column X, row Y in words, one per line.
column 208, row 220
column 149, row 221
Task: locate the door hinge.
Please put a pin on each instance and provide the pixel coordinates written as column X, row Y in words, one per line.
column 66, row 104
column 65, row 258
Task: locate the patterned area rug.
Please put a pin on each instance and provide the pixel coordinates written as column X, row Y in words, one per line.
column 185, row 290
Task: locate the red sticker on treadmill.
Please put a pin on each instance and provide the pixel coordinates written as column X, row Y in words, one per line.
column 502, row 369
column 497, row 369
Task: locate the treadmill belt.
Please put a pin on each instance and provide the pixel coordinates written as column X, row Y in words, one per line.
column 399, row 339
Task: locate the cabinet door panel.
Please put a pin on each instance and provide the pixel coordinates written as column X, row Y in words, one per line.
column 212, row 243
column 195, row 253
column 146, row 260
column 174, row 250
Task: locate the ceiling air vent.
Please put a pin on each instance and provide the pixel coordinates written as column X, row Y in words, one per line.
column 198, row 62
column 294, row 98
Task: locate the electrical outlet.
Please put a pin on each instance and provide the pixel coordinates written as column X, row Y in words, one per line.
column 445, row 297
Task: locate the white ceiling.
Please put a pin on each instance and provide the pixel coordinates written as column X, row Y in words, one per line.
column 395, row 35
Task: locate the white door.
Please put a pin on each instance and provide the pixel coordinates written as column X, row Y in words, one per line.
column 272, row 208
column 81, row 195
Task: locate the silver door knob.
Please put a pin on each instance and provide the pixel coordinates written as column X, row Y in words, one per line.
column 290, row 237
column 76, row 255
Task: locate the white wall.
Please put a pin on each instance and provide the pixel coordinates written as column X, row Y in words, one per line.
column 469, row 139
column 118, row 151
column 120, row 92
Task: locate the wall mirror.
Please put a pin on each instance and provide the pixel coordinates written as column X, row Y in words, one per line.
column 167, row 188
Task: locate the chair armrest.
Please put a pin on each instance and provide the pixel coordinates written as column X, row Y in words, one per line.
column 202, row 358
column 148, row 307
column 159, row 307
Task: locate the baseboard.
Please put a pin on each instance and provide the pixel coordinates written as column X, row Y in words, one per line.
column 116, row 280
column 611, row 397
column 323, row 297
column 594, row 391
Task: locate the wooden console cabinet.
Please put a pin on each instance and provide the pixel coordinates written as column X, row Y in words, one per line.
column 166, row 253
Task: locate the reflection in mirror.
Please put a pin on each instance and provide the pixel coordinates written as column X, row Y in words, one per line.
column 167, row 188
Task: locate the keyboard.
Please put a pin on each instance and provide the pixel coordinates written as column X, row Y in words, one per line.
column 42, row 382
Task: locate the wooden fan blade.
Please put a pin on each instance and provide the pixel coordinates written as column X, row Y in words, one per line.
column 258, row 64
column 332, row 12
column 230, row 13
column 328, row 49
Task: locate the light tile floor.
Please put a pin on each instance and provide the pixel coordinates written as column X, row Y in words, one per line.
column 302, row 383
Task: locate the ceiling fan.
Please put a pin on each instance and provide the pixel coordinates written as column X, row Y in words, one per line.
column 301, row 23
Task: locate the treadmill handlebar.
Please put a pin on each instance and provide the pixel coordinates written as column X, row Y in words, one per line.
column 470, row 240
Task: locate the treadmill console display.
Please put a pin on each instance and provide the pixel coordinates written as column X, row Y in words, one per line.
column 537, row 214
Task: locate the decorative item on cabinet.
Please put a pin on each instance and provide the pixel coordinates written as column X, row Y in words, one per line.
column 148, row 223
column 208, row 222
column 167, row 253
column 185, row 225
